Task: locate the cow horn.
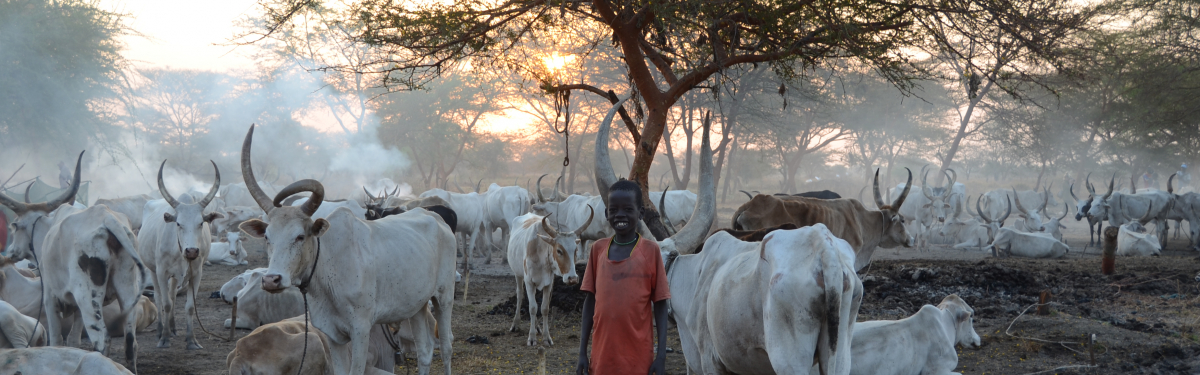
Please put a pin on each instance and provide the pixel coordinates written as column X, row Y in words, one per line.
column 1018, row 199
column 256, row 191
column 924, row 189
column 747, row 194
column 1072, row 189
column 552, row 232
column 314, row 200
column 605, row 177
column 1045, row 200
column 860, row 193
column 370, row 197
column 27, row 188
column 1110, row 186
column 395, row 191
column 212, row 192
column 1088, row 184
column 875, row 189
column 692, row 235
column 923, row 167
column 1066, row 208
column 541, row 199
column 980, row 212
column 953, row 179
column 903, row 194
column 456, row 186
column 1146, row 218
column 1170, row 190
column 1133, row 183
column 662, row 206
column 557, row 183
column 591, row 215
column 477, row 185
column 162, row 187
column 1007, row 210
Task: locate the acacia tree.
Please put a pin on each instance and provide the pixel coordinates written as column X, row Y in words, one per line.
column 666, row 48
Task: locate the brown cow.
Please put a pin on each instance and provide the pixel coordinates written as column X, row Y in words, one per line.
column 748, row 235
column 846, row 218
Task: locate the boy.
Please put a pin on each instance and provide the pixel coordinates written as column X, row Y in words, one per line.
column 624, row 278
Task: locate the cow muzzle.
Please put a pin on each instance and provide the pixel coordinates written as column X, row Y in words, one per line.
column 272, row 283
column 571, row 280
column 191, row 253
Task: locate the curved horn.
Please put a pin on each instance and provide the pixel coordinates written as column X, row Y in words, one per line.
column 692, row 235
column 1110, row 186
column 1072, row 189
column 27, row 188
column 662, row 205
column 1170, row 190
column 980, row 212
column 924, row 189
column 1146, row 218
column 591, row 215
column 1066, row 208
column 1018, row 199
column 1087, row 183
column 875, row 188
column 747, row 194
column 314, row 200
column 212, row 193
column 860, row 193
column 605, row 177
column 541, row 199
column 395, row 191
column 903, row 194
column 557, row 183
column 1045, row 199
column 1133, row 183
column 953, row 179
column 477, row 184
column 923, row 168
column 69, row 196
column 370, row 197
column 162, row 187
column 546, row 227
column 1007, row 210
column 256, row 191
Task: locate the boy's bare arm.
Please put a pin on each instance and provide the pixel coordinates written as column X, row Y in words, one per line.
column 660, row 323
column 585, row 334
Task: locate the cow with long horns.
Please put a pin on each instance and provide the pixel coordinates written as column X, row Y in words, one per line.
column 536, row 253
column 174, row 242
column 1082, row 206
column 1121, row 208
column 357, row 273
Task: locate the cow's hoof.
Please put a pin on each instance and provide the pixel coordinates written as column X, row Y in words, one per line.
column 194, row 346
column 164, row 343
column 548, row 341
column 514, row 328
column 532, row 341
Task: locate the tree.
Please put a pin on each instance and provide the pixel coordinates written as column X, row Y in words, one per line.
column 62, row 69
column 666, row 48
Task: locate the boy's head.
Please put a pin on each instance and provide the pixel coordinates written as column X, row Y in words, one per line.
column 624, row 206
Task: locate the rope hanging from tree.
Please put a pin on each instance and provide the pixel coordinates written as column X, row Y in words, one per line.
column 562, row 109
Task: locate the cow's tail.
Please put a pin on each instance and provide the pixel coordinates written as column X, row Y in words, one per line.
column 121, row 232
column 833, row 279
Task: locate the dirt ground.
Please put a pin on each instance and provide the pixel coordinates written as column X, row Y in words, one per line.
column 1144, row 317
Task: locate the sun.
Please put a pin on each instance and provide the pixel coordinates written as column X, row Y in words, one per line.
column 556, row 63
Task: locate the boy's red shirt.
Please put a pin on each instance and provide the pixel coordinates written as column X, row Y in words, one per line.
column 622, row 332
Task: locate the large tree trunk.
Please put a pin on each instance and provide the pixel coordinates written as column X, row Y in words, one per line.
column 728, row 174
column 656, row 120
column 962, row 131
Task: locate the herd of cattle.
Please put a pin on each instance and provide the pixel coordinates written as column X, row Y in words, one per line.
column 352, row 281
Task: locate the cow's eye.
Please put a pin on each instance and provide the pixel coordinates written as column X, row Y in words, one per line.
column 300, row 238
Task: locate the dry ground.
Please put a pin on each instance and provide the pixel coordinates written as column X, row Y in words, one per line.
column 1144, row 317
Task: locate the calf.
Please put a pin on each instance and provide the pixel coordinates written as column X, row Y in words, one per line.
column 18, row 330
column 24, row 292
column 147, row 315
column 277, row 348
column 536, row 254
column 256, row 306
column 919, row 344
column 228, row 253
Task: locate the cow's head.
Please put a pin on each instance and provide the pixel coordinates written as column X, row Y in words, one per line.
column 964, row 321
column 189, row 217
column 1033, row 219
column 1099, row 210
column 291, row 233
column 30, row 226
column 234, row 238
column 937, row 201
column 1083, row 205
column 894, row 233
column 993, row 226
column 564, row 245
column 1054, row 226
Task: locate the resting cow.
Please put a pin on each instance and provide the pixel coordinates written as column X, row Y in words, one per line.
column 919, row 344
column 1027, row 245
column 1134, row 239
column 147, row 315
column 57, row 360
column 18, row 330
column 228, row 253
column 277, row 348
column 256, row 306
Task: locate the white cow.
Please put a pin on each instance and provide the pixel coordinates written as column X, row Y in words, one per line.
column 21, row 290
column 751, row 310
column 1027, row 245
column 1030, row 221
column 228, row 253
column 328, row 207
column 91, row 259
column 676, row 207
column 1054, row 226
column 18, row 330
column 147, row 315
column 920, row 344
column 58, row 360
column 175, row 242
column 1134, row 239
column 929, row 209
column 976, row 233
column 472, row 213
column 231, row 216
column 130, row 206
column 503, row 205
column 256, row 306
column 536, row 253
column 1120, row 209
column 1082, row 206
column 372, row 272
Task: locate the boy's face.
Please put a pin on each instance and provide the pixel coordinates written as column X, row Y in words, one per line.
column 622, row 211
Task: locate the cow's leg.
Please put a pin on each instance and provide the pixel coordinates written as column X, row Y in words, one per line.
column 166, row 314
column 53, row 321
column 443, row 308
column 89, row 304
column 424, row 345
column 517, row 314
column 505, row 232
column 531, row 293
column 1164, row 230
column 190, row 308
column 360, row 340
column 75, row 334
column 485, row 242
column 545, row 308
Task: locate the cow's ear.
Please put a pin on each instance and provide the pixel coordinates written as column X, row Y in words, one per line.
column 961, row 316
column 1062, row 226
column 319, row 227
column 167, row 217
column 254, row 227
column 212, row 216
column 926, row 206
column 546, row 238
